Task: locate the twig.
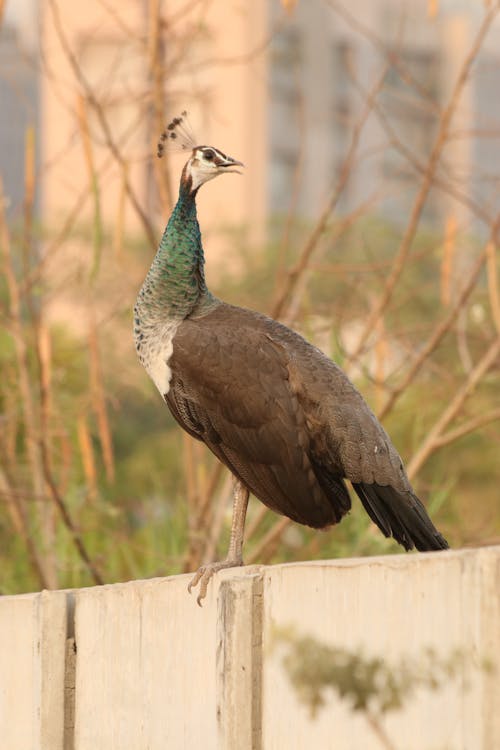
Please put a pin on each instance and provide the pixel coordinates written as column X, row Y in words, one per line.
column 25, row 388
column 43, row 355
column 427, row 182
column 94, row 186
column 445, row 186
column 19, row 518
column 192, row 552
column 467, row 427
column 379, row 731
column 66, row 518
column 295, row 273
column 435, row 433
column 338, row 230
column 108, row 136
column 97, row 393
column 491, row 266
column 214, row 529
column 296, row 179
column 208, row 492
column 440, row 330
column 393, row 59
column 263, row 551
column 157, row 76
column 253, row 525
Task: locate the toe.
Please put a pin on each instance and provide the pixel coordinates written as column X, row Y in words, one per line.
column 194, row 580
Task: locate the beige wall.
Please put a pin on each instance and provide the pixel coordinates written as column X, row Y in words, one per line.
column 219, row 76
column 152, row 670
column 111, row 62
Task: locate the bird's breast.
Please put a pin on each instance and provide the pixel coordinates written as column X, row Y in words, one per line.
column 154, row 345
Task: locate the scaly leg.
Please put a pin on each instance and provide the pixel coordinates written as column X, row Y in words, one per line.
column 234, row 556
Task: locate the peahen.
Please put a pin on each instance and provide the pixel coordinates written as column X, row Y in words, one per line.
column 284, row 419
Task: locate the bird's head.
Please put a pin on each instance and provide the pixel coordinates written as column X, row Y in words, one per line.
column 205, row 162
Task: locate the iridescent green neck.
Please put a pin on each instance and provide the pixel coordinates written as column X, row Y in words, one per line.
column 175, row 285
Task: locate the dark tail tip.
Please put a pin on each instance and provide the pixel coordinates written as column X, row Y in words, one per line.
column 400, row 515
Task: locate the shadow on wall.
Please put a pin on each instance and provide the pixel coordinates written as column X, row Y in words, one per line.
column 370, row 685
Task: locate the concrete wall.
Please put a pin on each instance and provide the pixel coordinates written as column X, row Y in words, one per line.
column 138, row 666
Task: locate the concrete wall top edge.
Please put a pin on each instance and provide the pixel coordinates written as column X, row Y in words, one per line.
column 400, row 561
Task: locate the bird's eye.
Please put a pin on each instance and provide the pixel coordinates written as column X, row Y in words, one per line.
column 209, row 155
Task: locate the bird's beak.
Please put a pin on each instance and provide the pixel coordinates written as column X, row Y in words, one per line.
column 228, row 163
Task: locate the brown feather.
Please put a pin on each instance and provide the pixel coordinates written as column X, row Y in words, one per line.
column 289, row 424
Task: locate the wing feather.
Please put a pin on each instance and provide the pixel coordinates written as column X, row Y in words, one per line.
column 234, row 394
column 289, row 423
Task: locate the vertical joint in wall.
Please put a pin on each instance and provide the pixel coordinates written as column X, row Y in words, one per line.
column 69, row 676
column 239, row 663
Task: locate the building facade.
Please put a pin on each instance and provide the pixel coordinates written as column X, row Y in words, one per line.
column 285, row 93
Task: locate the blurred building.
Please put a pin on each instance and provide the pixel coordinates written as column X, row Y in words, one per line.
column 18, row 112
column 324, row 66
column 118, row 54
column 283, row 93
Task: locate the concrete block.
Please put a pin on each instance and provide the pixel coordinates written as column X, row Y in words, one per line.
column 146, row 667
column 390, row 607
column 155, row 671
column 239, row 662
column 32, row 658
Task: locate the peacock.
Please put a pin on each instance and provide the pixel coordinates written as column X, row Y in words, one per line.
column 285, row 420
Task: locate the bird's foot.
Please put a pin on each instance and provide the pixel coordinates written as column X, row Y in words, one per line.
column 205, row 573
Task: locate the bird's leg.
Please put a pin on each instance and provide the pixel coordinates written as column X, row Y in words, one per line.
column 234, row 556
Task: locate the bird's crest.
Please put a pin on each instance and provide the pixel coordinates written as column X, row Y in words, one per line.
column 177, row 136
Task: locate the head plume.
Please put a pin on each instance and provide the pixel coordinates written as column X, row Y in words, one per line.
column 177, row 136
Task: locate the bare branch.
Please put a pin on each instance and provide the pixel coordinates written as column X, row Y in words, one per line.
column 108, row 136
column 467, row 427
column 295, row 273
column 441, row 328
column 435, row 434
column 491, row 266
column 66, row 518
column 427, row 182
column 267, row 546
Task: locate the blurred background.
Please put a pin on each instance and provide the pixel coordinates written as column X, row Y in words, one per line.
column 367, row 218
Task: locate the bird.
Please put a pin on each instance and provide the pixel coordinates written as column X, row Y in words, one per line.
column 275, row 410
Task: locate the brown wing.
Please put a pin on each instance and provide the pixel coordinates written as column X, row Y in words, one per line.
column 289, row 423
column 230, row 388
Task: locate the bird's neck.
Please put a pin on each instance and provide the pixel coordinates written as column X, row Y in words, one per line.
column 175, row 285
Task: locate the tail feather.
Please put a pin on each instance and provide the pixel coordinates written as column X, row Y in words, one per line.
column 336, row 491
column 400, row 515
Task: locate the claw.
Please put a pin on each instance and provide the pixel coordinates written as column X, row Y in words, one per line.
column 202, row 576
column 205, row 573
column 194, row 580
